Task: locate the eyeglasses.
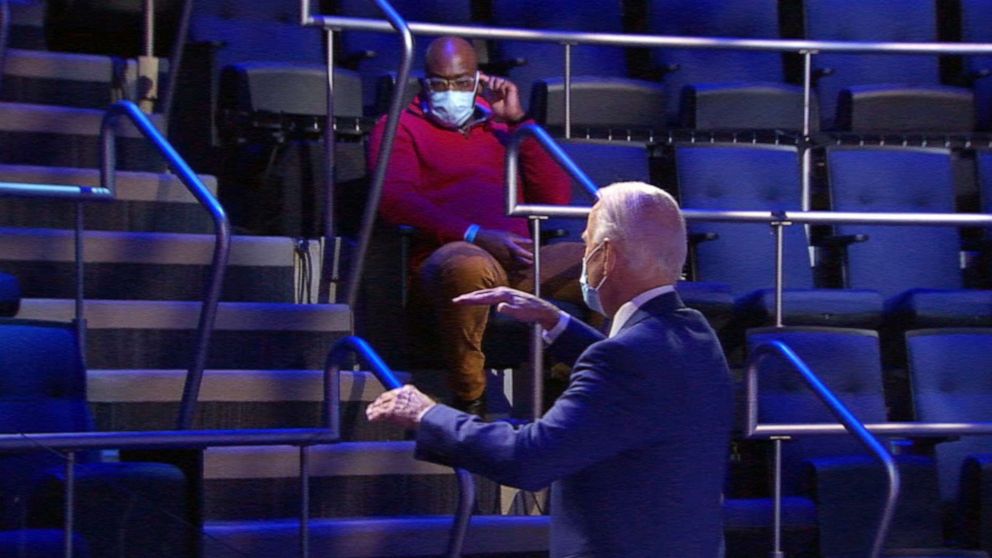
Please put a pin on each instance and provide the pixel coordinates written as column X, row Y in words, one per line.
column 464, row 83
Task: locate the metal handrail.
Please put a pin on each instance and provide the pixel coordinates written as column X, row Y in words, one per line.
column 222, row 231
column 850, row 423
column 466, row 484
column 385, row 150
column 642, row 40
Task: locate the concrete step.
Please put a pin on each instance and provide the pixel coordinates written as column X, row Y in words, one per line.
column 33, row 134
column 350, row 479
column 488, row 535
column 231, row 399
column 67, row 79
column 155, row 202
column 140, row 334
column 152, row 266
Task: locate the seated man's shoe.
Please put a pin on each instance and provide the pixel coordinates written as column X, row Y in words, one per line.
column 475, row 407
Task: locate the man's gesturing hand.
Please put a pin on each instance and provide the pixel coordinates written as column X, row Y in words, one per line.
column 504, row 98
column 402, row 407
column 511, row 250
column 518, row 304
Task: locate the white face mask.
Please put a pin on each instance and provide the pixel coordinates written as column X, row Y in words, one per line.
column 590, row 294
column 451, row 109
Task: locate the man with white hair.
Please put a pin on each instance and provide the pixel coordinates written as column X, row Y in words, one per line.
column 635, row 449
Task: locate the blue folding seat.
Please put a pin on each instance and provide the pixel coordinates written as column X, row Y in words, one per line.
column 609, row 162
column 39, row 543
column 760, row 178
column 949, row 374
column 714, row 85
column 917, row 268
column 835, row 471
column 10, row 295
column 126, row 509
column 976, row 27
column 614, row 104
column 258, row 31
column 546, row 60
column 881, row 21
column 377, row 55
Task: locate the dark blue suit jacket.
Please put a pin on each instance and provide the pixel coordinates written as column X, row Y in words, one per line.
column 636, row 447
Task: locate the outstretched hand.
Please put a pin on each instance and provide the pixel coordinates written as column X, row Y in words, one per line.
column 402, row 407
column 517, row 304
column 503, row 97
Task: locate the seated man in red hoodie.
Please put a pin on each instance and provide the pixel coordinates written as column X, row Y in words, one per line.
column 446, row 179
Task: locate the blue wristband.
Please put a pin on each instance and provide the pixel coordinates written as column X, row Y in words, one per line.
column 470, row 233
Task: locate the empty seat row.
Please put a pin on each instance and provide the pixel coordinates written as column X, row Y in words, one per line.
column 835, row 473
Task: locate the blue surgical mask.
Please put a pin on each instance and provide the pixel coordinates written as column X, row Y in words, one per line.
column 590, row 294
column 452, row 109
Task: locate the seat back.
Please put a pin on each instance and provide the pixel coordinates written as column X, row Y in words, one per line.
column 882, row 179
column 605, row 163
column 949, row 372
column 879, row 20
column 847, row 361
column 545, row 60
column 714, row 18
column 744, row 177
column 10, row 295
column 976, row 27
column 260, row 31
column 599, row 102
column 385, row 50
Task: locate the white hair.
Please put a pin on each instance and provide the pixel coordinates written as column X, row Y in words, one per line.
column 648, row 225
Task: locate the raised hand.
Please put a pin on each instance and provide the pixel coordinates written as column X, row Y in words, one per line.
column 517, row 304
column 504, row 98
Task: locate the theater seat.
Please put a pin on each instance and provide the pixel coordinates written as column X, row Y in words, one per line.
column 679, row 68
column 895, row 109
column 529, row 61
column 916, row 268
column 847, row 484
column 599, row 102
column 742, row 255
column 10, row 295
column 949, row 375
column 729, row 106
column 133, row 510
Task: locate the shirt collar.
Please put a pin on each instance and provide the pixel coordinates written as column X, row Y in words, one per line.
column 633, row 305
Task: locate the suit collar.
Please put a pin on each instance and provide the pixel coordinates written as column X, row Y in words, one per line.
column 661, row 304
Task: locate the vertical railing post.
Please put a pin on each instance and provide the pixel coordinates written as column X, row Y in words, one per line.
column 328, row 289
column 304, row 502
column 777, row 501
column 536, row 339
column 568, row 90
column 779, row 230
column 70, row 502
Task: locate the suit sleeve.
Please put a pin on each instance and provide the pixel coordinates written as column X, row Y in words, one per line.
column 401, row 203
column 597, row 417
column 572, row 342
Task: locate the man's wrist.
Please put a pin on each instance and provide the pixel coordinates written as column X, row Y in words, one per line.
column 518, row 120
column 424, row 411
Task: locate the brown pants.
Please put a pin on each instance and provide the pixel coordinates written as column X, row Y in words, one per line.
column 458, row 268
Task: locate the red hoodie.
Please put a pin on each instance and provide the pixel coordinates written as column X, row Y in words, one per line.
column 441, row 180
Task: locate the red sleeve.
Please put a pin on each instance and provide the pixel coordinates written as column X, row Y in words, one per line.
column 401, row 202
column 544, row 180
